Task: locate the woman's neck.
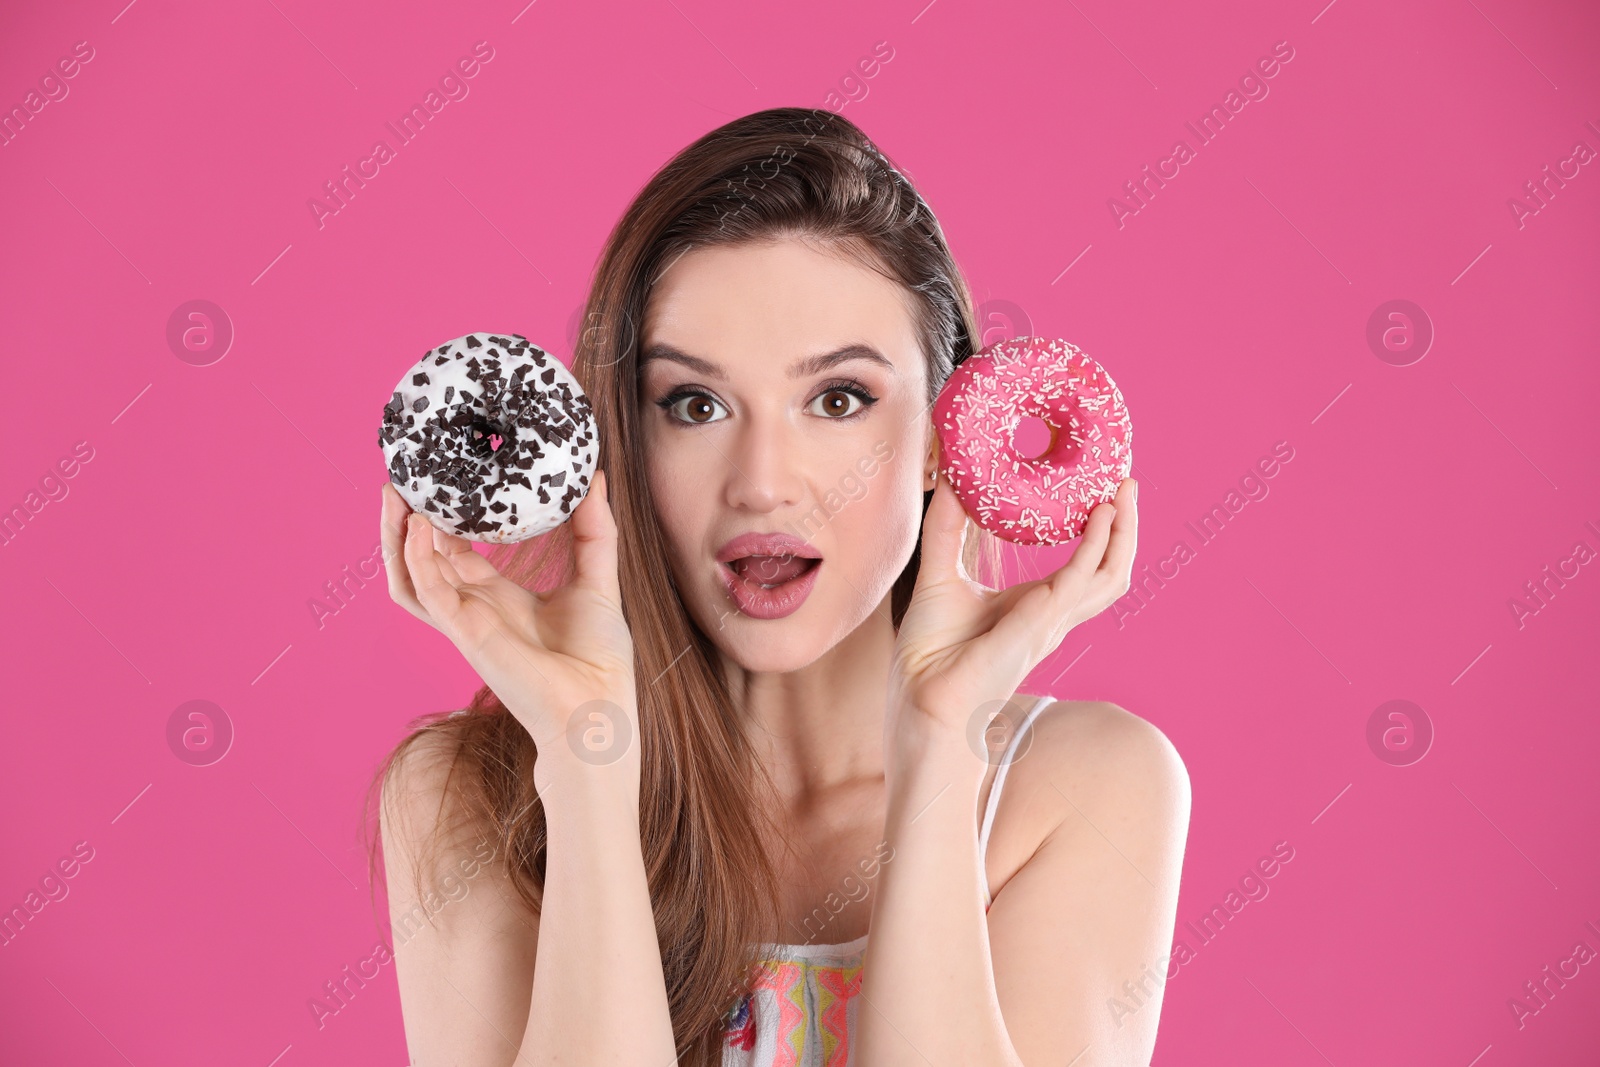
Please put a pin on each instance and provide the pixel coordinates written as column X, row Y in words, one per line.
column 822, row 725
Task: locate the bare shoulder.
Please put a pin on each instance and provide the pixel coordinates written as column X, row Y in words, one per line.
column 1086, row 769
column 418, row 808
column 462, row 934
column 429, row 833
column 414, row 787
column 1102, row 748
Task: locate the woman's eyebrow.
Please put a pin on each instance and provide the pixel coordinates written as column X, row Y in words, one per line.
column 804, row 368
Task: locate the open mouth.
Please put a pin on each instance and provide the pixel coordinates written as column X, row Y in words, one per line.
column 770, row 572
column 769, row 587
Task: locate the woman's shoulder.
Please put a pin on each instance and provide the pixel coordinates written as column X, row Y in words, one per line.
column 428, row 826
column 457, row 922
column 417, row 773
column 421, row 765
column 1093, row 767
column 1097, row 743
column 437, row 848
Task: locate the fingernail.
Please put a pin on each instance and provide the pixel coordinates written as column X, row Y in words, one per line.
column 1136, row 490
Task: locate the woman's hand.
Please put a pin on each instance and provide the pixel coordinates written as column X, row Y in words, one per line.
column 963, row 645
column 543, row 654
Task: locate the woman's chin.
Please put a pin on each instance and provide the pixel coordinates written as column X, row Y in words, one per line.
column 769, row 646
column 790, row 643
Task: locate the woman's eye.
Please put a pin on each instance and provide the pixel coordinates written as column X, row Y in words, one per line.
column 839, row 403
column 694, row 408
column 699, row 409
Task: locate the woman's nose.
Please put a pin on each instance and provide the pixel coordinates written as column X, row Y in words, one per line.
column 763, row 467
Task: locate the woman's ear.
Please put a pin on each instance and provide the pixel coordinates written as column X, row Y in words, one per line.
column 930, row 465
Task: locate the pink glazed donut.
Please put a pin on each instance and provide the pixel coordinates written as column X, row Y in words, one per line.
column 1044, row 500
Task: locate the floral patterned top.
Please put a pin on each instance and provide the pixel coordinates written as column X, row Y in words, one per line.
column 801, row 1010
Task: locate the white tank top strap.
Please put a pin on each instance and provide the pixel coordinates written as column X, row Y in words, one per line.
column 1006, row 759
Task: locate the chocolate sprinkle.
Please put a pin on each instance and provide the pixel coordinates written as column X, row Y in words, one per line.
column 440, row 452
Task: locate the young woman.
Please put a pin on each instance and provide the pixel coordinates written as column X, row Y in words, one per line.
column 756, row 702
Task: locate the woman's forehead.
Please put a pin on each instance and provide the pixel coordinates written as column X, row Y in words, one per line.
column 776, row 303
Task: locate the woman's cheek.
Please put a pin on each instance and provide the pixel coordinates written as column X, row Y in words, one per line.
column 679, row 501
column 878, row 526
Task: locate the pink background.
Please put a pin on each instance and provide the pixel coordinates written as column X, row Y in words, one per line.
column 1232, row 310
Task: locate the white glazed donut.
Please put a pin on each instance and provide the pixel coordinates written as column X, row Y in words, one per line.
column 490, row 438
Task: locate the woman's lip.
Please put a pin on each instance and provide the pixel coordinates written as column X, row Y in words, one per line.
column 766, row 544
column 774, row 603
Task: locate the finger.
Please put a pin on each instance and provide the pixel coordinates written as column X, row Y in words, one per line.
column 435, row 594
column 447, row 569
column 1091, row 549
column 1038, row 620
column 1024, row 636
column 594, row 541
column 1118, row 560
column 944, row 533
column 392, row 534
column 467, row 564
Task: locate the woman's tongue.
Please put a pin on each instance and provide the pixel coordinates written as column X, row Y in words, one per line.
column 771, row 570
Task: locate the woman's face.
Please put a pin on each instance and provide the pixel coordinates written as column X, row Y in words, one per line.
column 783, row 393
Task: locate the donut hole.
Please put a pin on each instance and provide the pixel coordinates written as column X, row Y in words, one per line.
column 1033, row 438
column 487, row 437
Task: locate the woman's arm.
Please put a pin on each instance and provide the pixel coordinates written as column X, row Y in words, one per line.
column 1085, row 920
column 1080, row 935
column 495, row 988
column 488, row 983
column 464, row 958
column 1068, row 925
column 599, row 995
column 928, row 992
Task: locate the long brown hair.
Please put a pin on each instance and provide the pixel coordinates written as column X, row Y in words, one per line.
column 705, row 804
